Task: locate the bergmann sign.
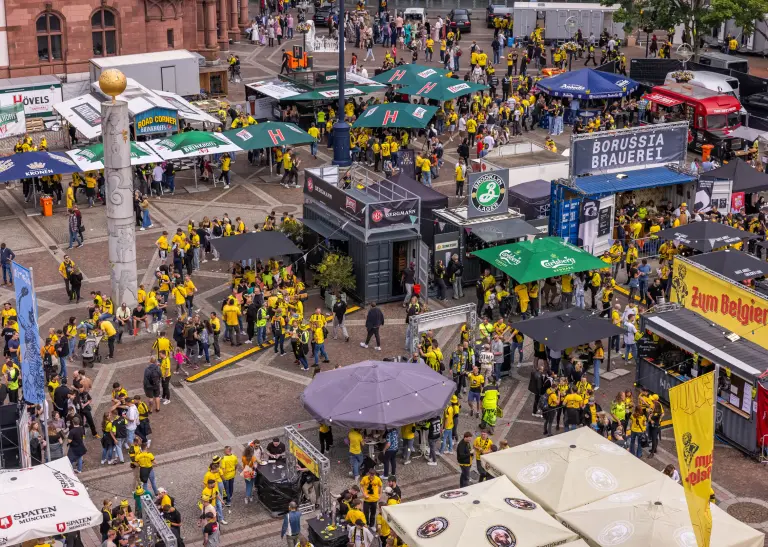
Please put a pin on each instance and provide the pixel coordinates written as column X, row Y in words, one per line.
column 628, row 149
column 333, row 198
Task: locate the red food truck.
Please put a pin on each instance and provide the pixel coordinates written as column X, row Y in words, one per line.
column 710, row 115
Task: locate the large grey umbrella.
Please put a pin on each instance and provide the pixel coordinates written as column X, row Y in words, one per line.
column 567, row 328
column 377, row 394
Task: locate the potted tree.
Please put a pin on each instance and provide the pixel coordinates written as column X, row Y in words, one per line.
column 335, row 275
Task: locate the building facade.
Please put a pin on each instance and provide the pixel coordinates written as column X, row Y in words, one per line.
column 60, row 36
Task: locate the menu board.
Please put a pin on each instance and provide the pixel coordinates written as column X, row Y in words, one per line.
column 604, row 221
column 648, row 348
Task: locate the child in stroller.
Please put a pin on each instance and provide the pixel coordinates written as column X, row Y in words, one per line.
column 91, row 349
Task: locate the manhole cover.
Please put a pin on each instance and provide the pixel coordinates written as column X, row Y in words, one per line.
column 748, row 512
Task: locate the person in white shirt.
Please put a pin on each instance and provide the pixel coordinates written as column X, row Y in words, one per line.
column 489, row 142
column 363, row 71
column 360, row 536
column 132, row 417
column 157, row 179
column 123, row 316
column 486, row 361
column 629, row 339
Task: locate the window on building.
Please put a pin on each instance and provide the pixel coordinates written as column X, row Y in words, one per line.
column 170, row 37
column 104, row 32
column 49, row 37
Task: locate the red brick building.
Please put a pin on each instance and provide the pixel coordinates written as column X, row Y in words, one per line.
column 60, row 36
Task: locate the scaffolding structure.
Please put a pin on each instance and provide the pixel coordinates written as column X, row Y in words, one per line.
column 301, row 451
column 155, row 530
column 465, row 313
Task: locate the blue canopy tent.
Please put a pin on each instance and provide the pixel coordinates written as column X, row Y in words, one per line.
column 587, row 84
column 27, row 165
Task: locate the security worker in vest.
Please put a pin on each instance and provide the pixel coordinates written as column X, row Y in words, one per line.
column 13, row 376
column 261, row 325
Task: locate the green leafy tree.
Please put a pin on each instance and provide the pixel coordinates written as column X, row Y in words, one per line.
column 335, row 272
column 745, row 13
column 661, row 14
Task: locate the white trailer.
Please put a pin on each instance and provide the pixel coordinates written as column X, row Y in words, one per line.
column 175, row 71
column 552, row 17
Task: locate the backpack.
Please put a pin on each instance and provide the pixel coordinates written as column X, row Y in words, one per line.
column 217, row 231
column 544, row 404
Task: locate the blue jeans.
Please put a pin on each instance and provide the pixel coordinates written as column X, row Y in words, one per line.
column 7, row 272
column 219, row 509
column 206, row 345
column 145, row 221
column 596, row 364
column 248, row 488
column 426, row 178
column 151, row 480
column 356, row 460
column 304, row 362
column 76, row 462
column 615, row 345
column 497, row 370
column 631, row 348
column 279, row 339
column 407, row 449
column 635, row 438
column 519, row 348
column 447, row 439
column 106, row 453
column 130, row 434
column 63, row 371
column 580, row 300
column 229, row 489
column 119, row 449
column 74, row 237
column 313, row 148
column 495, row 56
column 643, row 288
column 320, row 350
column 261, row 335
column 169, row 180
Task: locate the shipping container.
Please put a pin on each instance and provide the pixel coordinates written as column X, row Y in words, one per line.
column 553, row 17
column 173, row 71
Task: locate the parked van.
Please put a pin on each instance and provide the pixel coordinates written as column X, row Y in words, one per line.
column 711, row 80
column 722, row 60
column 415, row 14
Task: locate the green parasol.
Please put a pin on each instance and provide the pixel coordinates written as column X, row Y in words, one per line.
column 192, row 144
column 527, row 261
column 410, row 75
column 91, row 158
column 268, row 135
column 396, row 115
column 330, row 94
column 443, row 89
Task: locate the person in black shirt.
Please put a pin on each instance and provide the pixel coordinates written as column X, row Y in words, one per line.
column 276, row 449
column 61, row 397
column 77, row 447
column 7, row 334
column 655, row 291
column 84, row 404
column 173, row 518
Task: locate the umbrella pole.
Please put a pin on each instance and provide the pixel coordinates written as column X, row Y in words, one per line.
column 608, row 365
column 194, row 170
column 270, row 161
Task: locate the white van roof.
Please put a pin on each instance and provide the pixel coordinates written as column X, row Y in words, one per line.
column 710, row 80
column 414, row 11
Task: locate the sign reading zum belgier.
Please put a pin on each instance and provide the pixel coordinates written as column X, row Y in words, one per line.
column 488, row 193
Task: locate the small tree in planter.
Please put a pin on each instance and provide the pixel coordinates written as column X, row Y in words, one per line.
column 335, row 274
column 294, row 231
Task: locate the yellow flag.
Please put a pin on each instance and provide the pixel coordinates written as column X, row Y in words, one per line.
column 694, row 425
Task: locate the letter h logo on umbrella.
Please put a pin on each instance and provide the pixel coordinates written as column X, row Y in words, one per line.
column 397, row 76
column 427, row 88
column 390, row 116
column 276, row 135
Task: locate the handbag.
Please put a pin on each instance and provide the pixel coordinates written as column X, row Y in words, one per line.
column 248, row 472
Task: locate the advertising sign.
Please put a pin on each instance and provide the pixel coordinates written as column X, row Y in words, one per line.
column 333, row 198
column 394, row 212
column 604, row 221
column 407, row 163
column 488, row 193
column 627, row 149
column 738, row 200
column 156, row 120
column 304, row 458
column 38, row 101
column 722, row 302
column 12, row 120
column 88, row 114
column 32, row 374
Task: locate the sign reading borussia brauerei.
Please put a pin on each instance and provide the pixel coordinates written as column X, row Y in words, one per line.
column 627, row 149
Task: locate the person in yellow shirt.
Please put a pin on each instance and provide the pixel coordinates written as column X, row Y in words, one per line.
column 228, row 470
column 356, row 513
column 449, row 415
column 460, row 177
column 382, row 528
column 111, row 333
column 371, row 486
column 355, row 442
column 426, row 171
column 523, row 299
column 90, row 187
column 637, row 426
column 146, row 462
column 179, row 294
column 430, row 48
column 482, row 445
column 407, row 433
column 573, row 403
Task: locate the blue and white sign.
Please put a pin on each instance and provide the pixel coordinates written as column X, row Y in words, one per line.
column 156, row 120
column 27, row 165
column 32, row 373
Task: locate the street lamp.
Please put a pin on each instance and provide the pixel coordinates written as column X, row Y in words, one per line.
column 341, row 128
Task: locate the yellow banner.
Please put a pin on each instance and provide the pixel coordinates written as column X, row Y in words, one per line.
column 304, row 459
column 693, row 421
column 722, row 302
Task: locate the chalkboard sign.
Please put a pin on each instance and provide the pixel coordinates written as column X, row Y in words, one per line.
column 648, row 348
column 604, row 221
column 407, row 163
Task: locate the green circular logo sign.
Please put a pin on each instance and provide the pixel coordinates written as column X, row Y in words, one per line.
column 488, row 193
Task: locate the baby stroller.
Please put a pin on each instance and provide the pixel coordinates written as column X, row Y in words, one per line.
column 91, row 350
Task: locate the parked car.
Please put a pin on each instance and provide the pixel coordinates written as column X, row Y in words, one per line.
column 323, row 13
column 461, row 19
column 757, row 104
column 493, row 11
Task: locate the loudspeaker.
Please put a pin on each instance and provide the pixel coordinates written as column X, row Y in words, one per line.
column 506, row 366
column 9, row 414
column 10, row 457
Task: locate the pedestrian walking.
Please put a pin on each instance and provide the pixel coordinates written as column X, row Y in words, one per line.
column 373, row 322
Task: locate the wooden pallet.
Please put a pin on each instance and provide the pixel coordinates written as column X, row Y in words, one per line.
column 35, row 125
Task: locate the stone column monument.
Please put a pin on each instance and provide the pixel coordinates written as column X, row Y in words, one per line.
column 121, row 225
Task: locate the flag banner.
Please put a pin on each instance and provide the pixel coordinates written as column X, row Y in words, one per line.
column 12, row 120
column 693, row 420
column 32, row 374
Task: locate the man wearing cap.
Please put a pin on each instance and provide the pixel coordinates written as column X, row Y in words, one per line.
column 682, row 216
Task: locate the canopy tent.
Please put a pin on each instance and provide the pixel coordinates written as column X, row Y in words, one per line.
column 735, row 265
column 532, row 198
column 747, row 133
column 377, row 394
column 268, row 135
column 430, row 198
column 567, row 328
column 192, row 144
column 705, row 236
column 654, row 514
column 35, row 164
column 84, row 113
column 255, row 245
column 443, row 89
column 331, row 94
column 745, row 178
column 494, row 510
column 502, row 230
column 91, row 158
column 570, row 469
column 588, row 83
column 410, row 75
column 44, row 501
column 527, row 261
column 396, row 115
column 187, row 111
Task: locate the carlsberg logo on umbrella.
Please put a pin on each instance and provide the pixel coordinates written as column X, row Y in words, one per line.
column 488, row 193
column 508, row 258
column 557, row 264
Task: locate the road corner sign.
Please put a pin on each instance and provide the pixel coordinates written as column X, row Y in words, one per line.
column 156, row 120
column 488, row 193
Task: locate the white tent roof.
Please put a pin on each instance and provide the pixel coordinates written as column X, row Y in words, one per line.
column 570, row 469
column 44, row 501
column 139, row 98
column 187, row 110
column 489, row 511
column 654, row 515
column 84, row 112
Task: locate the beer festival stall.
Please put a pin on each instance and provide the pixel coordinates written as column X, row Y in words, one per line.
column 371, row 219
column 713, row 323
column 609, row 168
column 486, row 221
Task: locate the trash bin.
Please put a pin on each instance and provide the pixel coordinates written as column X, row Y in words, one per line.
column 706, row 151
column 46, row 202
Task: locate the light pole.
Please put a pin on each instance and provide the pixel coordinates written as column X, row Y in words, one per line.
column 341, row 128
